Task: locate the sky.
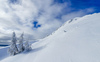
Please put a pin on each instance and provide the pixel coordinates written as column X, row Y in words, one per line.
column 39, row 18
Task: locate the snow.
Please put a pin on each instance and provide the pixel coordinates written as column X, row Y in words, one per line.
column 3, row 52
column 76, row 41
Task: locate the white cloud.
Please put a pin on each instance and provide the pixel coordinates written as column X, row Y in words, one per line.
column 79, row 13
column 18, row 17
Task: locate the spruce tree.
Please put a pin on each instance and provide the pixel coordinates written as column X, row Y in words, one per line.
column 13, row 50
column 20, row 46
column 27, row 46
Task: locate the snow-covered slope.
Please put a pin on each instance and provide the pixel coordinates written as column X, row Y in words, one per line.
column 78, row 40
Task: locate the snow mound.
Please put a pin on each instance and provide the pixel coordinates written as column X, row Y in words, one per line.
column 78, row 40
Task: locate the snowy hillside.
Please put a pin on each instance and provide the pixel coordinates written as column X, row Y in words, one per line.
column 78, row 40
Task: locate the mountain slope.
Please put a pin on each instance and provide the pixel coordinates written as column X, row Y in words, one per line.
column 78, row 40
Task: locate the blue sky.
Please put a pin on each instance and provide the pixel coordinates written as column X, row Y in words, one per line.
column 39, row 18
column 82, row 4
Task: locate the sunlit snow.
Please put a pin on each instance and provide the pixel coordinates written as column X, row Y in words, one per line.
column 78, row 40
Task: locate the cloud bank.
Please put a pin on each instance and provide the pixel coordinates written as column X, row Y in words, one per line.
column 36, row 18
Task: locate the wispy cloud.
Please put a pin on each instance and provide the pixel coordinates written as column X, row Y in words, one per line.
column 19, row 16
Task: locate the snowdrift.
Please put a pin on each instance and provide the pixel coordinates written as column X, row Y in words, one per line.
column 78, row 40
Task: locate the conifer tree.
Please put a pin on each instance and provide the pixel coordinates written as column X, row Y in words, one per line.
column 13, row 50
column 27, row 46
column 20, row 46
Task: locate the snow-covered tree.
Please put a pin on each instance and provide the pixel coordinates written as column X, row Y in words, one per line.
column 27, row 46
column 13, row 50
column 20, row 46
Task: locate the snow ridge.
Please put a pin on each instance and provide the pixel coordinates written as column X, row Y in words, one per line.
column 78, row 40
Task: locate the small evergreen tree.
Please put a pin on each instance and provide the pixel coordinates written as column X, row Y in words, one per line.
column 27, row 46
column 13, row 50
column 20, row 46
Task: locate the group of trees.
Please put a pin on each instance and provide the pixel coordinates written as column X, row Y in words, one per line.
column 16, row 47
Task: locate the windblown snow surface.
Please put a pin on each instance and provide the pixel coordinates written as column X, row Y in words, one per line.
column 78, row 40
